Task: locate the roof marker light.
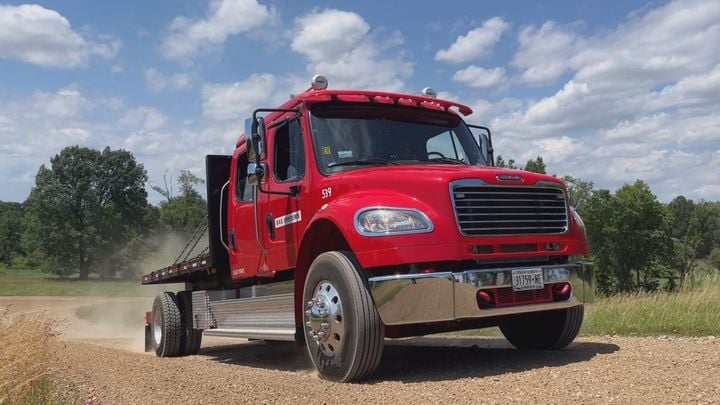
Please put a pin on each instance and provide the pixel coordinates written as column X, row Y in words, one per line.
column 319, row 82
column 429, row 92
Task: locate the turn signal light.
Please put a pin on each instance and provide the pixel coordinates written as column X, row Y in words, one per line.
column 485, row 299
column 561, row 291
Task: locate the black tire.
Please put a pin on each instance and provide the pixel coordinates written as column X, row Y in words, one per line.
column 551, row 330
column 357, row 352
column 169, row 326
column 191, row 337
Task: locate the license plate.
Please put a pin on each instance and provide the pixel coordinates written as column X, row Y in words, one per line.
column 527, row 279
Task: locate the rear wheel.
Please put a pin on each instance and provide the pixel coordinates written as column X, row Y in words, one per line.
column 166, row 325
column 551, row 330
column 191, row 337
column 343, row 331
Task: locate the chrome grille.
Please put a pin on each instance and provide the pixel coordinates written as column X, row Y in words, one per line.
column 508, row 210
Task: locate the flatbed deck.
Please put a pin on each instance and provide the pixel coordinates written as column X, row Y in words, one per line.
column 178, row 272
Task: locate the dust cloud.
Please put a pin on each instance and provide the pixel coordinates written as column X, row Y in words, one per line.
column 111, row 320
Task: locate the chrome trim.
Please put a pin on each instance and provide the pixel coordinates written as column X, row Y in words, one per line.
column 287, row 334
column 445, row 296
column 481, row 183
column 389, row 233
column 222, row 224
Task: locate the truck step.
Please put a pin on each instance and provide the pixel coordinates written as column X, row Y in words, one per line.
column 270, row 317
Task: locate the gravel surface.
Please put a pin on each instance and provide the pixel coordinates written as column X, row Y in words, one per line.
column 421, row 370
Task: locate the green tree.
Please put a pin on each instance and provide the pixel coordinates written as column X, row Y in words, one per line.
column 629, row 235
column 536, row 166
column 698, row 240
column 85, row 207
column 500, row 162
column 11, row 230
column 681, row 210
column 186, row 211
column 579, row 192
column 715, row 258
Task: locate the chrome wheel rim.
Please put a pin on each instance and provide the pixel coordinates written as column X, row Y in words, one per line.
column 157, row 325
column 324, row 319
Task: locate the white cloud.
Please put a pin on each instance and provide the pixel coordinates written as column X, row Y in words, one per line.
column 225, row 18
column 158, row 82
column 148, row 117
column 233, row 101
column 34, row 34
column 339, row 45
column 543, row 53
column 67, row 102
column 36, row 127
column 475, row 44
column 328, row 34
column 640, row 102
column 479, row 77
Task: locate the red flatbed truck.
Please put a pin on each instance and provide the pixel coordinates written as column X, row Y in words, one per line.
column 345, row 217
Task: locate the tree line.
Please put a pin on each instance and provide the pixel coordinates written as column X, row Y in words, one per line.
column 88, row 213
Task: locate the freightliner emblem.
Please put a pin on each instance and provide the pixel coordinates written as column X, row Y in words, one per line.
column 509, row 177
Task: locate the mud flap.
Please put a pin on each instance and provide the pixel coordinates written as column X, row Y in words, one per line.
column 149, row 344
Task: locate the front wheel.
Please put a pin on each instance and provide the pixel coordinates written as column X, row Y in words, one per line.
column 343, row 331
column 550, row 330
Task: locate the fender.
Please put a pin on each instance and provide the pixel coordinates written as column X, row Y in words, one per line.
column 341, row 212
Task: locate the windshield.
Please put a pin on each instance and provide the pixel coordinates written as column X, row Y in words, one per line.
column 348, row 135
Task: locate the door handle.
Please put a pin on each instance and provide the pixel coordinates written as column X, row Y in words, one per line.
column 270, row 222
column 231, row 240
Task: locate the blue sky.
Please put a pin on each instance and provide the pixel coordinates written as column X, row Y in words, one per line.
column 609, row 91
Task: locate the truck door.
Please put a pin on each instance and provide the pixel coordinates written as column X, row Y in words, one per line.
column 281, row 214
column 244, row 249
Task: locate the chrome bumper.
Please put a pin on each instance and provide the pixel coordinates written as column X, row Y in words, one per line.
column 434, row 297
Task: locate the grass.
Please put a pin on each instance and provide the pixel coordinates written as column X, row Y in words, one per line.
column 691, row 312
column 27, row 350
column 15, row 282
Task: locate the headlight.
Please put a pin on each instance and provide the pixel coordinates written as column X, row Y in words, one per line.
column 381, row 221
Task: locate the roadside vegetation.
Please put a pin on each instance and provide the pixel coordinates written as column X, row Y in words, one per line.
column 691, row 311
column 33, row 282
column 26, row 353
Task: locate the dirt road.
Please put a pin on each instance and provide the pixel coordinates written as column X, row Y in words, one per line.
column 104, row 369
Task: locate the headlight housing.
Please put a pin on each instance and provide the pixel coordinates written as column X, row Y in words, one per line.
column 386, row 221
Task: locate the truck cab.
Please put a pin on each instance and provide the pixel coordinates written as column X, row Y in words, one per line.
column 345, row 217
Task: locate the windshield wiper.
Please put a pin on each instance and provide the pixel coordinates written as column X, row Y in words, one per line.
column 448, row 160
column 366, row 161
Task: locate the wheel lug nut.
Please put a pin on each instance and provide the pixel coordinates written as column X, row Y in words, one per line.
column 308, row 312
column 310, row 303
column 324, row 325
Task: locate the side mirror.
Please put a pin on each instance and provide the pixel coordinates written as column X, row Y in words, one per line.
column 483, row 137
column 256, row 146
column 255, row 173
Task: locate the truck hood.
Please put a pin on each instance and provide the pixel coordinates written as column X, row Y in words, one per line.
column 412, row 178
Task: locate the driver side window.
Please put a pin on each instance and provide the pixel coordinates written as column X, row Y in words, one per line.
column 243, row 189
column 446, row 144
column 289, row 152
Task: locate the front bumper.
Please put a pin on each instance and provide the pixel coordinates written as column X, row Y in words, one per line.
column 407, row 299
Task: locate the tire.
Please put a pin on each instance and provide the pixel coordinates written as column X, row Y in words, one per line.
column 336, row 293
column 166, row 325
column 191, row 337
column 551, row 330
